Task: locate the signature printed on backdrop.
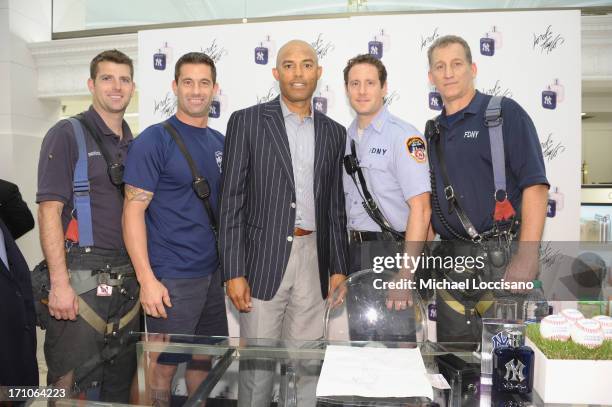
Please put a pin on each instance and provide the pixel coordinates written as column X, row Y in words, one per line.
column 427, row 40
column 166, row 106
column 497, row 90
column 549, row 256
column 551, row 148
column 390, row 98
column 215, row 51
column 271, row 94
column 321, row 47
column 547, row 41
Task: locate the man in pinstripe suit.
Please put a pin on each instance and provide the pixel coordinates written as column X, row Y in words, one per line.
column 282, row 235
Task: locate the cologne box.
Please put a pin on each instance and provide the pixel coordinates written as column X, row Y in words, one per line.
column 571, row 381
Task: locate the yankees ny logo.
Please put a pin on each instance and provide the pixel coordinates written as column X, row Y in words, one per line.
column 499, row 340
column 516, row 369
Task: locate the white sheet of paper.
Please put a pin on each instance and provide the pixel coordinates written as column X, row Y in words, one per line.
column 373, row 372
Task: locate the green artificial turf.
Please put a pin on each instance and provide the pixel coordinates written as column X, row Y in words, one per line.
column 569, row 349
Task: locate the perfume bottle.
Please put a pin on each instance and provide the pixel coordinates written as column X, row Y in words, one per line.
column 223, row 100
column 159, row 61
column 261, row 55
column 271, row 45
column 215, row 108
column 435, row 100
column 513, row 366
column 549, row 99
column 558, row 197
column 385, row 39
column 559, row 90
column 166, row 49
column 551, row 208
column 497, row 37
column 320, row 103
column 328, row 94
column 487, row 46
column 375, row 48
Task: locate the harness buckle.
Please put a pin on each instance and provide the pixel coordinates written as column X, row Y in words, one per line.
column 449, row 192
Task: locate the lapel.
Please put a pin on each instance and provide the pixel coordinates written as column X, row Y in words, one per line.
column 321, row 136
column 4, row 271
column 275, row 128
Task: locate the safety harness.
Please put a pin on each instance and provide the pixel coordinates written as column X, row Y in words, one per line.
column 504, row 212
column 79, row 236
column 504, row 216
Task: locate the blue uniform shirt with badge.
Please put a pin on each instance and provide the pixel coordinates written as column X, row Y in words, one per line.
column 467, row 152
column 392, row 155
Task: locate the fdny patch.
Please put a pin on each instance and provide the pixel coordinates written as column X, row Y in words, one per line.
column 416, row 149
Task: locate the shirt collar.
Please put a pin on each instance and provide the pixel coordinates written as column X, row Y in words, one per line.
column 92, row 115
column 288, row 113
column 377, row 123
column 472, row 108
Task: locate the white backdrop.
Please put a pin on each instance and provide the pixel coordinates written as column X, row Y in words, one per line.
column 527, row 52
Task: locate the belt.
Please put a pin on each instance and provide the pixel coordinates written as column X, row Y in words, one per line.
column 357, row 236
column 301, row 232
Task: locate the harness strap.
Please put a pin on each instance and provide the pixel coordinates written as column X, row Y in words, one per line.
column 101, row 326
column 481, row 306
column 80, row 188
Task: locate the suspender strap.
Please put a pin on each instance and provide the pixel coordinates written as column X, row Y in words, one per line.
column 80, row 188
column 370, row 205
column 200, row 184
column 493, row 121
column 114, row 168
column 449, row 194
column 94, row 134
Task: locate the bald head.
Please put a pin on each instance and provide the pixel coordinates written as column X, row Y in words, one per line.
column 293, row 46
column 297, row 72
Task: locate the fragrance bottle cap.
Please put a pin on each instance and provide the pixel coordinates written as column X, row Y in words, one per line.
column 515, row 338
column 537, row 284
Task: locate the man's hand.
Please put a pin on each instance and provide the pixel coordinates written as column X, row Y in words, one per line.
column 400, row 298
column 239, row 292
column 337, row 290
column 153, row 296
column 523, row 267
column 63, row 302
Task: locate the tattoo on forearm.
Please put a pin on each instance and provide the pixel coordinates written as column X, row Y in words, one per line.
column 137, row 194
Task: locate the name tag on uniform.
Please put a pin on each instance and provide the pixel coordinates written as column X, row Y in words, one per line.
column 104, row 290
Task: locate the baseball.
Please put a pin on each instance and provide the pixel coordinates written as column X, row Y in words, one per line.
column 555, row 327
column 587, row 332
column 572, row 315
column 606, row 326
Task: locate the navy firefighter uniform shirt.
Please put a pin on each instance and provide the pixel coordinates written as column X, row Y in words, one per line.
column 180, row 240
column 467, row 152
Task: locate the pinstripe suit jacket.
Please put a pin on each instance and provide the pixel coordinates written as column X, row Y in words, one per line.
column 256, row 214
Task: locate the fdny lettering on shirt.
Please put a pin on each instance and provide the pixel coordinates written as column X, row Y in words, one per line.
column 378, row 150
column 471, row 134
column 416, row 148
